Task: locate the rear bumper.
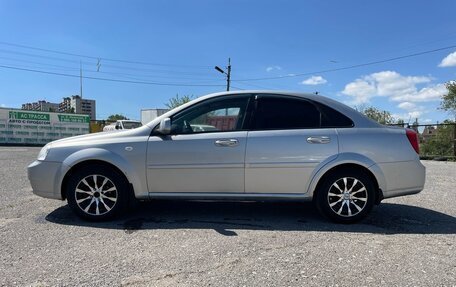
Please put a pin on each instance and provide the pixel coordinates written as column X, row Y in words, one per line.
column 403, row 178
column 44, row 177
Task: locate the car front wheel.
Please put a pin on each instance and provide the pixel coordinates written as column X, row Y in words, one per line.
column 97, row 193
column 346, row 196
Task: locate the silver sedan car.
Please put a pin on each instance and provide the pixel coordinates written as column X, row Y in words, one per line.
column 255, row 145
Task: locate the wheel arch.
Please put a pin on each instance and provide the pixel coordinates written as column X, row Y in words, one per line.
column 86, row 163
column 350, row 161
column 98, row 156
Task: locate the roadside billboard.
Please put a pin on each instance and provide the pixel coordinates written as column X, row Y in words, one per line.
column 37, row 128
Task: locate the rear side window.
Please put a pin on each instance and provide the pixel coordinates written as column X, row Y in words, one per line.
column 285, row 113
column 272, row 113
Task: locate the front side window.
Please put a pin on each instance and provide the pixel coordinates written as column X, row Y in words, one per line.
column 218, row 115
column 285, row 113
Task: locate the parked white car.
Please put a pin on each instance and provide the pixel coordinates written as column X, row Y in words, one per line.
column 122, row 125
column 249, row 145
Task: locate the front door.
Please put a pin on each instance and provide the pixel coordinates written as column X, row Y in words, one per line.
column 205, row 151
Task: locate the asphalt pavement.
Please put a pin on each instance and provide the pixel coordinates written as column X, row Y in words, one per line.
column 407, row 241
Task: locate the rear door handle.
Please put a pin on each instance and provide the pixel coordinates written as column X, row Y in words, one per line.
column 319, row 140
column 227, row 142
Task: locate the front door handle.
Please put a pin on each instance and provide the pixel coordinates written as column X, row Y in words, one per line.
column 227, row 142
column 319, row 140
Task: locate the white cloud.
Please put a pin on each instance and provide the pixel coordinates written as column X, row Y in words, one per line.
column 449, row 61
column 415, row 114
column 426, row 94
column 360, row 90
column 272, row 68
column 390, row 83
column 394, row 86
column 407, row 106
column 408, row 116
column 413, row 110
column 314, row 80
column 2, row 105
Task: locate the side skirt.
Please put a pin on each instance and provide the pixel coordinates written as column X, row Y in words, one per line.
column 230, row 196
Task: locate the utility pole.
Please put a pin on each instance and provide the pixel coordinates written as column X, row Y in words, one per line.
column 227, row 73
column 454, row 138
column 80, row 78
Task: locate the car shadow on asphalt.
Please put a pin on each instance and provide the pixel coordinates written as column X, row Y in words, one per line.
column 227, row 217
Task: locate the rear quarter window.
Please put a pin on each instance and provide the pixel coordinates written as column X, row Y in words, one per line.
column 330, row 118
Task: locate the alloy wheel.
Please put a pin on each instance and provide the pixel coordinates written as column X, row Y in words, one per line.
column 347, row 196
column 96, row 195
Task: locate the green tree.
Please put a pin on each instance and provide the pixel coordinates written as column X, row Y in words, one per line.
column 383, row 117
column 442, row 143
column 448, row 102
column 178, row 101
column 115, row 117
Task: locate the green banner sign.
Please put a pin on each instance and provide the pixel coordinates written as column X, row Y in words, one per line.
column 74, row 119
column 28, row 116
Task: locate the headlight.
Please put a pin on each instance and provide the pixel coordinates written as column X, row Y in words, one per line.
column 44, row 152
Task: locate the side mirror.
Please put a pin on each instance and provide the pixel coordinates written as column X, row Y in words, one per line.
column 117, row 127
column 165, row 126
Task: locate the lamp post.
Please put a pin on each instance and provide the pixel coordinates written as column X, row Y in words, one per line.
column 227, row 73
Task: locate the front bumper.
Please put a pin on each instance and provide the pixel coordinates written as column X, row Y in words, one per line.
column 45, row 178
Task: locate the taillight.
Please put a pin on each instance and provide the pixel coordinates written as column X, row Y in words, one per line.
column 413, row 139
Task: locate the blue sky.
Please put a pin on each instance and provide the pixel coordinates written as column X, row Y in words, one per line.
column 181, row 42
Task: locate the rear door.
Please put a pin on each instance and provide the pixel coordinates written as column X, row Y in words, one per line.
column 285, row 145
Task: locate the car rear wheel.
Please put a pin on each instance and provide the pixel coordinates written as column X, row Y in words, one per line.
column 346, row 196
column 97, row 193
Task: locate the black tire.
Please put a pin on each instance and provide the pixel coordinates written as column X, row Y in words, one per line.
column 345, row 208
column 110, row 200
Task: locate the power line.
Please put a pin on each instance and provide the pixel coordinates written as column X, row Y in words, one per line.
column 170, row 71
column 142, row 77
column 254, row 85
column 126, row 75
column 195, row 76
column 41, row 56
column 348, row 67
column 112, row 80
column 39, row 63
column 102, row 58
column 105, row 65
column 153, row 70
